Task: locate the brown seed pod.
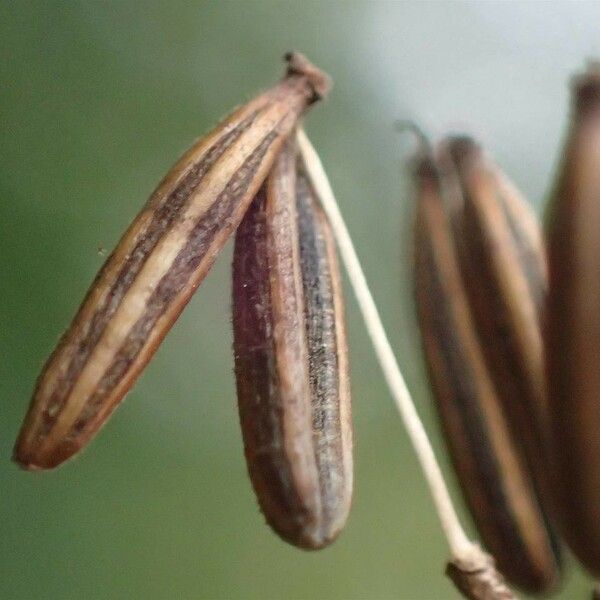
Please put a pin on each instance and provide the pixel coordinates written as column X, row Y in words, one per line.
column 503, row 268
column 152, row 273
column 291, row 359
column 573, row 326
column 491, row 470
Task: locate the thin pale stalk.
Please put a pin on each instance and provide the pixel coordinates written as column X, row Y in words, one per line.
column 471, row 569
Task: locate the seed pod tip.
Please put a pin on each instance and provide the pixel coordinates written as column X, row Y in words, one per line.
column 586, row 87
column 320, row 82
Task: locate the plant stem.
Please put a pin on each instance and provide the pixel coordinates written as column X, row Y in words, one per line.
column 467, row 556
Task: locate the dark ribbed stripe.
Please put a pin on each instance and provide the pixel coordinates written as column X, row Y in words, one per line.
column 512, row 381
column 491, row 315
column 177, row 277
column 164, row 216
column 489, row 505
column 319, row 310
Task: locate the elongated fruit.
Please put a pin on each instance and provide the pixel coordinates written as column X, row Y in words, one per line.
column 155, row 268
column 491, row 471
column 503, row 268
column 291, row 360
column 573, row 326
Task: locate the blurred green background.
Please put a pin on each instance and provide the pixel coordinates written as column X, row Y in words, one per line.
column 97, row 100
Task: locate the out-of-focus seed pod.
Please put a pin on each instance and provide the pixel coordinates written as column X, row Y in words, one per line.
column 573, row 326
column 503, row 268
column 491, row 470
column 160, row 261
column 291, row 359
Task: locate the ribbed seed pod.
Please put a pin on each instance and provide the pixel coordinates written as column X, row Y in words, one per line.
column 291, row 359
column 155, row 268
column 491, row 470
column 503, row 267
column 573, row 326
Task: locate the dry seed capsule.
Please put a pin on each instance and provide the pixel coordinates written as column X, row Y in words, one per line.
column 503, row 267
column 573, row 326
column 491, row 471
column 155, row 268
column 291, row 360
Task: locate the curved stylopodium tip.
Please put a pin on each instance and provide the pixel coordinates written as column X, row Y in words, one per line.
column 422, row 161
column 403, row 126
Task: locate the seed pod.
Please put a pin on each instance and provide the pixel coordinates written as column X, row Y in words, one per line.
column 503, row 268
column 290, row 360
column 160, row 261
column 490, row 469
column 573, row 326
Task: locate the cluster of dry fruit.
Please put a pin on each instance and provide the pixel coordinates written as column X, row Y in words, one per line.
column 290, row 345
column 510, row 332
column 510, row 344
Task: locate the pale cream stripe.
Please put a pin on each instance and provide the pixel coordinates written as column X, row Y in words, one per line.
column 156, row 266
column 59, row 364
column 193, row 156
column 515, row 290
column 159, row 331
column 524, row 217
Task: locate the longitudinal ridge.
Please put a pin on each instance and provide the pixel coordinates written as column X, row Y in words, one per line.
column 291, row 365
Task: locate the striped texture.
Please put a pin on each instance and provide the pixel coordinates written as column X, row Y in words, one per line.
column 291, row 360
column 573, row 326
column 155, row 268
column 503, row 267
column 491, row 471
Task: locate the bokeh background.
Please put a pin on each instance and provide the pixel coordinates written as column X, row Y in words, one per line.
column 97, row 100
